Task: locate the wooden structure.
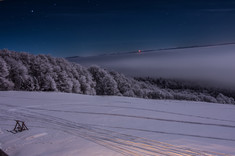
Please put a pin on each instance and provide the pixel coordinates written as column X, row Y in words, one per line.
column 19, row 127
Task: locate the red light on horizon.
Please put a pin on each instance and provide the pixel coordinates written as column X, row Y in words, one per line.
column 139, row 51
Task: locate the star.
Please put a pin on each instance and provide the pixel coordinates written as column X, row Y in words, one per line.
column 32, row 11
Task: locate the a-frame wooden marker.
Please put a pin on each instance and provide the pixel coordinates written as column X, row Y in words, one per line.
column 19, row 127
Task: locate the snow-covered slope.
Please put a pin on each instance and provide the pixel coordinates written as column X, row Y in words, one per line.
column 71, row 124
column 213, row 63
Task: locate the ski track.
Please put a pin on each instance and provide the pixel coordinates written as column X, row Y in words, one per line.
column 139, row 117
column 134, row 108
column 153, row 110
column 128, row 145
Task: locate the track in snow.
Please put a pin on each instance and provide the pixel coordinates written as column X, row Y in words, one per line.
column 139, row 117
column 125, row 144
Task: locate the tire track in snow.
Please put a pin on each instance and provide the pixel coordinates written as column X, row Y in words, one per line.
column 133, row 108
column 162, row 132
column 102, row 135
column 122, row 143
column 190, row 135
column 139, row 117
column 155, row 110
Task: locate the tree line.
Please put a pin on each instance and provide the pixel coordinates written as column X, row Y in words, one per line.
column 27, row 72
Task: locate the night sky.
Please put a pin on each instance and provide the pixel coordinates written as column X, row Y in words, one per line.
column 90, row 27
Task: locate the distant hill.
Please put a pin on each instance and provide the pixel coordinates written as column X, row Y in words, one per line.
column 213, row 64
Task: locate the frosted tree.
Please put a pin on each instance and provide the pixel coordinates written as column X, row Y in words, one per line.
column 64, row 84
column 3, row 68
column 5, row 84
column 48, row 83
column 90, row 84
column 18, row 73
column 109, row 85
column 76, row 86
column 105, row 83
column 123, row 84
column 87, row 85
column 224, row 99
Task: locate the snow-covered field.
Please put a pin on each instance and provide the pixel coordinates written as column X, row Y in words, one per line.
column 72, row 124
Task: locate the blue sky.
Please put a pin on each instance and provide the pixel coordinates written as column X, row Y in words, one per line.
column 90, row 27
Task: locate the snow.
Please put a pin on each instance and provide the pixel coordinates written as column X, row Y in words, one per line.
column 72, row 124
